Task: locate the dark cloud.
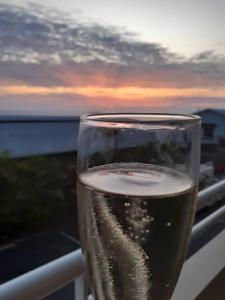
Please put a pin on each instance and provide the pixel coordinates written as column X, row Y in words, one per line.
column 44, row 47
column 33, row 74
column 35, row 36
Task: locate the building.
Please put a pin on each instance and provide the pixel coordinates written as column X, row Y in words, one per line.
column 213, row 126
column 213, row 137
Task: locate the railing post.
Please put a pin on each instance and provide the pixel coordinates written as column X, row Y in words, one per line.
column 81, row 288
column 44, row 280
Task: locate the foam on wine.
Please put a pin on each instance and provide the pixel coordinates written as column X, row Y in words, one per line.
column 137, row 180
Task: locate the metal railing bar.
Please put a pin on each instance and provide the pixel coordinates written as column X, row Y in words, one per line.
column 81, row 288
column 44, row 280
column 210, row 194
column 50, row 277
column 207, row 222
column 200, row 269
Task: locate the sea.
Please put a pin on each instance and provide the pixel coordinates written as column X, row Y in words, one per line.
column 24, row 136
column 30, row 135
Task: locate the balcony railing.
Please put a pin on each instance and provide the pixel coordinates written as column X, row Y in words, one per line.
column 197, row 272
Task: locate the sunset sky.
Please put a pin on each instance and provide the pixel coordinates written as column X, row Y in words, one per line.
column 69, row 58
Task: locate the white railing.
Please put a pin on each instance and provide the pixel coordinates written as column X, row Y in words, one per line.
column 211, row 194
column 50, row 277
column 200, row 269
column 44, row 280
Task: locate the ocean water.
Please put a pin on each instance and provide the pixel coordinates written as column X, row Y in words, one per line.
column 22, row 137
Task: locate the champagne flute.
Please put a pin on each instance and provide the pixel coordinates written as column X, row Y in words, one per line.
column 137, row 189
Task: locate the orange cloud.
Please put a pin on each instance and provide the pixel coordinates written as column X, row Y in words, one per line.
column 130, row 93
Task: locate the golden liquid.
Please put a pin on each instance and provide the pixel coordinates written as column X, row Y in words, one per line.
column 135, row 223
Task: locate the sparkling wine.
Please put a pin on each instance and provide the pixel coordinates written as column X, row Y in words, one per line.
column 135, row 223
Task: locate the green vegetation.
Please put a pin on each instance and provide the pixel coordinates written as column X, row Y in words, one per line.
column 36, row 193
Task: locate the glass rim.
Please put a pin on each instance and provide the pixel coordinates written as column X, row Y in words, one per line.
column 139, row 118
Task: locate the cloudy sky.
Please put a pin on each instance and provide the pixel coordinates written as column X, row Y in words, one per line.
column 111, row 56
